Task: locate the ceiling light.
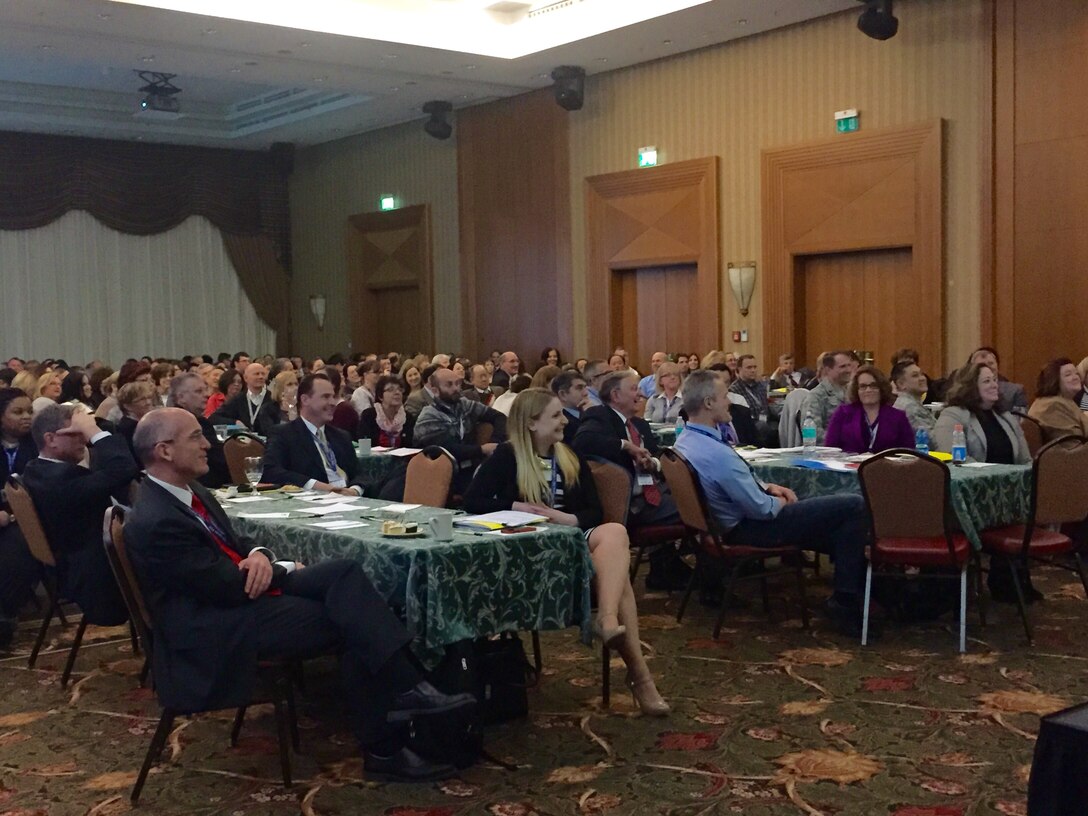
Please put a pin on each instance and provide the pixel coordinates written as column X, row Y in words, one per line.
column 742, row 21
column 105, row 16
column 319, row 79
column 437, row 126
column 147, row 58
column 208, row 31
column 877, row 21
column 45, row 47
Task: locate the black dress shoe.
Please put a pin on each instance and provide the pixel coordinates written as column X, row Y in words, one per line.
column 847, row 619
column 425, row 699
column 405, row 766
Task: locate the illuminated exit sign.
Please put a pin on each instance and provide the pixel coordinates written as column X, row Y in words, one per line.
column 846, row 121
column 647, row 157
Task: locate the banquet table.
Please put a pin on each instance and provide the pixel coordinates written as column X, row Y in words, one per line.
column 475, row 585
column 983, row 497
column 376, row 468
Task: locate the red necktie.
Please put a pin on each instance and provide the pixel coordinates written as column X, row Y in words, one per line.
column 218, row 536
column 650, row 492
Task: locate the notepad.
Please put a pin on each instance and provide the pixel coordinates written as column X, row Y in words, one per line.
column 397, row 508
column 498, row 520
column 325, row 509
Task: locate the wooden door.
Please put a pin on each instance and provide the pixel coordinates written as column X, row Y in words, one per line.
column 653, row 309
column 389, row 281
column 873, row 300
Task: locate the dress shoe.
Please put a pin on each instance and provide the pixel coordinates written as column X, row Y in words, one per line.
column 424, row 699
column 647, row 698
column 847, row 619
column 611, row 636
column 405, row 766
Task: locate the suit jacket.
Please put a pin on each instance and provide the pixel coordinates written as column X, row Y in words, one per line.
column 71, row 501
column 218, row 473
column 204, row 652
column 941, row 437
column 571, row 428
column 417, row 401
column 235, row 411
column 126, row 427
column 602, row 433
column 470, row 393
column 848, row 430
column 292, row 456
column 24, row 454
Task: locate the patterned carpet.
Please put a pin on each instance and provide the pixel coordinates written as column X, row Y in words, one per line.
column 769, row 720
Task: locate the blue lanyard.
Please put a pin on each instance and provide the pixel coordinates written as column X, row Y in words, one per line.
column 12, row 454
column 707, row 434
column 555, row 480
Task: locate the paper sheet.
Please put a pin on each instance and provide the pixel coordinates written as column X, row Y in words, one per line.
column 250, row 499
column 264, row 515
column 338, row 524
column 396, row 508
column 326, row 509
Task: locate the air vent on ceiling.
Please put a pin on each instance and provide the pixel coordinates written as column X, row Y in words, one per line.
column 559, row 5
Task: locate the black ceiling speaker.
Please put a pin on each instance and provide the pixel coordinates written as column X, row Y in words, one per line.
column 437, row 126
column 570, row 86
column 877, row 21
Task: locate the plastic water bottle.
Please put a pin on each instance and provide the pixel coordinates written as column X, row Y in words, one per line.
column 921, row 441
column 808, row 434
column 679, row 429
column 959, row 445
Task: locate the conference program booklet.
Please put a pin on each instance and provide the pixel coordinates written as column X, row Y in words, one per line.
column 499, row 520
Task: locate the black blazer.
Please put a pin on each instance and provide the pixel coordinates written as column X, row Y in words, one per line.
column 495, row 487
column 218, row 473
column 26, row 451
column 571, row 428
column 71, row 501
column 204, row 649
column 602, row 433
column 368, row 428
column 292, row 456
column 236, row 411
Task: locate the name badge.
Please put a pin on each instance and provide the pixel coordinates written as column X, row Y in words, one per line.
column 645, row 479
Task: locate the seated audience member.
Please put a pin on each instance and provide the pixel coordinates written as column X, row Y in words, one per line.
column 363, row 396
column 16, row 364
column 284, row 393
column 343, row 414
column 26, row 382
column 76, row 387
column 753, row 389
column 352, row 380
column 19, row 570
column 413, row 379
column 694, row 361
column 648, row 384
column 451, row 423
column 535, row 472
column 1055, row 405
column 458, row 368
column 665, row 403
column 1082, row 369
column 385, row 423
column 161, row 374
column 741, row 429
column 544, row 376
column 682, row 361
column 618, row 362
column 612, row 431
column 911, row 386
column 134, row 400
column 425, row 395
column 595, row 371
column 1012, row 396
column 221, row 603
column 441, row 360
column 6, row 377
column 570, row 388
column 307, row 451
column 580, row 364
column 506, row 369
column 755, row 514
column 786, row 375
column 867, row 422
column 227, row 386
column 96, row 379
column 108, row 405
column 504, row 401
column 252, row 407
column 133, row 371
column 550, row 357
column 479, row 385
column 278, row 365
column 836, row 369
column 240, row 362
column 189, row 392
column 47, row 389
column 71, row 500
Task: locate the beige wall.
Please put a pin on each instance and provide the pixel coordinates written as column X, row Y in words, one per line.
column 342, row 178
column 780, row 89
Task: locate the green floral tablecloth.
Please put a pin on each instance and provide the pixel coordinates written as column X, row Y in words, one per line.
column 664, row 434
column 472, row 586
column 375, row 469
column 985, row 497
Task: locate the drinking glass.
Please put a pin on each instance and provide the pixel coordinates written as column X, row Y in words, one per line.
column 254, row 466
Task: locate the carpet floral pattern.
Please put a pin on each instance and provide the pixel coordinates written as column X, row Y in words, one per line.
column 770, row 719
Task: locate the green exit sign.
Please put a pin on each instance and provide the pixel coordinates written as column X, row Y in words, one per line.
column 647, row 157
column 388, row 202
column 846, row 121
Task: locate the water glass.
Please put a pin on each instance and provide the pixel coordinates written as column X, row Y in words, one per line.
column 254, row 467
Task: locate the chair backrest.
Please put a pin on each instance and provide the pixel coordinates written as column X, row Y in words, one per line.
column 113, row 539
column 1033, row 433
column 684, row 485
column 429, row 476
column 907, row 494
column 485, row 431
column 22, row 505
column 1060, row 489
column 236, row 450
column 613, row 489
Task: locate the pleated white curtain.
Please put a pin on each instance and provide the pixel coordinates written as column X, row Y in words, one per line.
column 79, row 290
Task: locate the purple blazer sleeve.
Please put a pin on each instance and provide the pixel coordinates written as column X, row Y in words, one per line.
column 839, row 430
column 895, row 429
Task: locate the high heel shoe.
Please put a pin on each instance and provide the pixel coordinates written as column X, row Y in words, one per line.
column 647, row 698
column 611, row 636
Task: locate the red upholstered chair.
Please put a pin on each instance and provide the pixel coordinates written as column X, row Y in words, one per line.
column 1059, row 495
column 686, row 490
column 908, row 497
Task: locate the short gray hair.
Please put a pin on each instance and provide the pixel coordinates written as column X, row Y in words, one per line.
column 699, row 387
column 154, row 427
column 178, row 383
column 611, row 383
column 50, row 419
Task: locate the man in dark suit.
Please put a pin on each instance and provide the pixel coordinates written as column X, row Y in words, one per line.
column 612, row 431
column 309, row 452
column 479, row 385
column 570, row 388
column 253, row 406
column 189, row 392
column 221, row 603
column 71, row 500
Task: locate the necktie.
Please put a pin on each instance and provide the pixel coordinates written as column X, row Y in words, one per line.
column 326, row 451
column 219, row 536
column 651, row 493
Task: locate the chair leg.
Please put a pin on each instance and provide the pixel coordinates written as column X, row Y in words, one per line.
column 134, row 638
column 538, row 658
column 766, row 595
column 980, row 597
column 236, row 728
column 72, row 652
column 158, row 740
column 606, row 676
column 43, row 629
column 865, row 604
column 145, row 671
column 1080, row 571
column 801, row 595
column 292, row 715
column 963, row 610
column 687, row 594
column 1019, row 598
column 637, row 562
column 281, row 731
column 725, row 598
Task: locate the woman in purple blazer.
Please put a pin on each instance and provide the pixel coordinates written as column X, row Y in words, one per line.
column 867, row 422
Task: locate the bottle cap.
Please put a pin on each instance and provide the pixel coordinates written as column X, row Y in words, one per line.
column 958, row 428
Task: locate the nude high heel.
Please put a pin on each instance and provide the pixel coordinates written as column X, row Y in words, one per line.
column 611, row 636
column 647, row 698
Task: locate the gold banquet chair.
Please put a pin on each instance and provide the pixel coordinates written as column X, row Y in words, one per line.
column 236, row 450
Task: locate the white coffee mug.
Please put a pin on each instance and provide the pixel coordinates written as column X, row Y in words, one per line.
column 364, row 446
column 441, row 527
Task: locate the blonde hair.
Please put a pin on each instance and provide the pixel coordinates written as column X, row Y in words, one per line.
column 26, row 382
column 280, row 383
column 43, row 381
column 713, row 358
column 664, row 370
column 544, row 376
column 1082, row 369
column 533, row 485
column 132, row 392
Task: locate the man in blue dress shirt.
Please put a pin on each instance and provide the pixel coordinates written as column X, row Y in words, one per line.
column 757, row 514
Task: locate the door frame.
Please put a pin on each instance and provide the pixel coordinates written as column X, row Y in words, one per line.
column 699, row 176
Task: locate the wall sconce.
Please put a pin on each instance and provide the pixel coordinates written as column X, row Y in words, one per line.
column 742, row 280
column 317, row 309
